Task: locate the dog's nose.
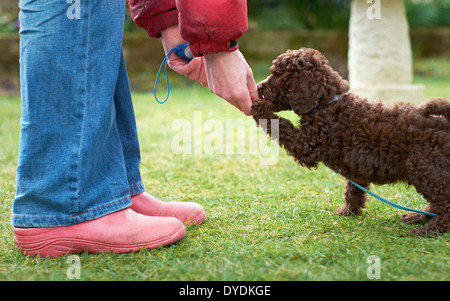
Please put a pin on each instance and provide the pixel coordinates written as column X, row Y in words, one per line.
column 260, row 86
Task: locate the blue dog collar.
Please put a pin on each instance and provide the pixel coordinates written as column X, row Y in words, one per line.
column 335, row 99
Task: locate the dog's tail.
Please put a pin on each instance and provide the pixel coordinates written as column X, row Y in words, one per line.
column 435, row 106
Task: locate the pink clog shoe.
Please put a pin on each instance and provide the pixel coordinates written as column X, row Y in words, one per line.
column 186, row 212
column 119, row 232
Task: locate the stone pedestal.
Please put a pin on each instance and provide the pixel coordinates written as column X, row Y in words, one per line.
column 380, row 57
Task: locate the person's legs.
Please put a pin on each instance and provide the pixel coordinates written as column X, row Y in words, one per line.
column 71, row 161
column 78, row 149
column 79, row 153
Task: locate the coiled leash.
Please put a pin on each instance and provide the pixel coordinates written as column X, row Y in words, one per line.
column 180, row 50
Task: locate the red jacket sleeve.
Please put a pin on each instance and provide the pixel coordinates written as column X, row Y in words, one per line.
column 210, row 25
column 153, row 15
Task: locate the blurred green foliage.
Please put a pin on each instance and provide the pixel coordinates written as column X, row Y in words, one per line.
column 428, row 13
column 292, row 14
column 335, row 14
column 299, row 14
column 432, row 67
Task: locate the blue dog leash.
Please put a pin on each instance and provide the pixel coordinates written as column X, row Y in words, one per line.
column 180, row 50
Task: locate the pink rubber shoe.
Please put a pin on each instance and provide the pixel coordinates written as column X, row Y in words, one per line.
column 119, row 232
column 186, row 212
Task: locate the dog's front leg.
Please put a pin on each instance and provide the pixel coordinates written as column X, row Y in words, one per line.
column 303, row 146
column 354, row 199
column 278, row 128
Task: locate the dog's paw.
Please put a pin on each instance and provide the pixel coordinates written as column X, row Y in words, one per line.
column 346, row 211
column 259, row 104
column 424, row 231
column 261, row 109
column 414, row 218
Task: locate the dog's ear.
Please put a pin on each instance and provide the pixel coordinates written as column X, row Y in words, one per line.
column 336, row 84
column 307, row 80
column 314, row 82
column 302, row 99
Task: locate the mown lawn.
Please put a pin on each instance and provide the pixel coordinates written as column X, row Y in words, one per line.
column 264, row 222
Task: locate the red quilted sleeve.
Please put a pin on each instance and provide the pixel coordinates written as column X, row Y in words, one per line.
column 153, row 15
column 210, row 25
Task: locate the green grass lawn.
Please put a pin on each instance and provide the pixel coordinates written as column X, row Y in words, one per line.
column 264, row 222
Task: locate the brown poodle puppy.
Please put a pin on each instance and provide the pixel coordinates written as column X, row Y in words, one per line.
column 366, row 142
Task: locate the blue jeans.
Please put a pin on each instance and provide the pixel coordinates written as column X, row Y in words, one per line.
column 79, row 156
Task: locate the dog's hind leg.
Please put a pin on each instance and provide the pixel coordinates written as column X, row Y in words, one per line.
column 354, row 199
column 439, row 223
column 429, row 173
column 416, row 217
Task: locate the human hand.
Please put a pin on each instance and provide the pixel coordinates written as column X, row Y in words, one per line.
column 231, row 78
column 194, row 69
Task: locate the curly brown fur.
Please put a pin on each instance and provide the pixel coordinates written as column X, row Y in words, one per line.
column 367, row 142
